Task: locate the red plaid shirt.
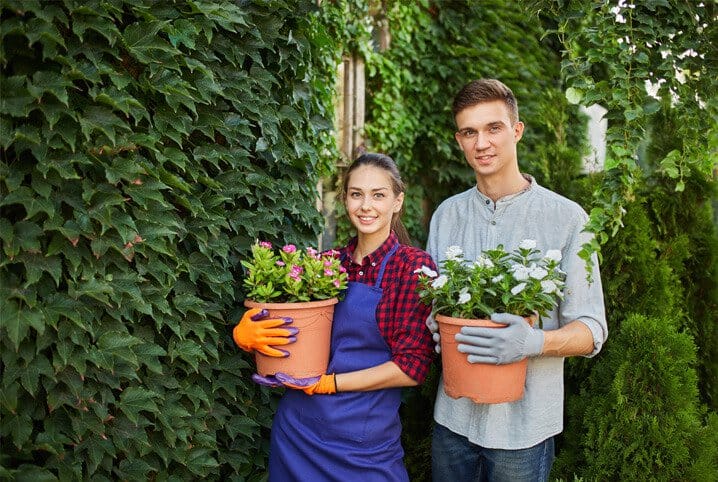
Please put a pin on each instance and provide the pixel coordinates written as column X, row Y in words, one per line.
column 400, row 315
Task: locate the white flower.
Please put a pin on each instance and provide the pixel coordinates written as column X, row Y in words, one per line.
column 521, row 272
column 484, row 262
column 548, row 287
column 527, row 244
column 439, row 282
column 426, row 271
column 497, row 279
column 538, row 273
column 554, row 255
column 518, row 288
column 454, row 252
column 464, row 296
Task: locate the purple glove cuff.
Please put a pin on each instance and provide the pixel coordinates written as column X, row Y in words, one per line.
column 298, row 382
column 269, row 381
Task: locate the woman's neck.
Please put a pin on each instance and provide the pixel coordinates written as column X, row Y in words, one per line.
column 367, row 245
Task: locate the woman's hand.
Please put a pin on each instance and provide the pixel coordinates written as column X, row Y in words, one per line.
column 257, row 332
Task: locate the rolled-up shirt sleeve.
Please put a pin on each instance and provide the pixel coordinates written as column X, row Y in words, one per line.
column 404, row 316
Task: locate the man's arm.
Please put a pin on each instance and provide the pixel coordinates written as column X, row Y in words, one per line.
column 572, row 339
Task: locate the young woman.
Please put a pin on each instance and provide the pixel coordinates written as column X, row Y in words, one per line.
column 345, row 425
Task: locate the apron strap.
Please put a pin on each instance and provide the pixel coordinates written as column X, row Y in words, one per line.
column 383, row 264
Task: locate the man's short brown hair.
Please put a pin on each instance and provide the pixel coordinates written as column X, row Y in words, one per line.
column 485, row 90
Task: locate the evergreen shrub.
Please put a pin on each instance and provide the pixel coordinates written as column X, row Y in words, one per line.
column 648, row 425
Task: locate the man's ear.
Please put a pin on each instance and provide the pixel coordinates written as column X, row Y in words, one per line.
column 518, row 131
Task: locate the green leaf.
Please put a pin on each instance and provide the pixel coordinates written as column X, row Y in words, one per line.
column 19, row 427
column 36, row 264
column 136, row 399
column 15, row 100
column 103, row 120
column 574, row 96
column 241, row 424
column 188, row 351
column 201, row 461
column 16, row 321
column 37, row 205
column 31, row 374
column 54, row 83
column 145, row 45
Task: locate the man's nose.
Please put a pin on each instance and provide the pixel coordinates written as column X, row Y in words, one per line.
column 481, row 141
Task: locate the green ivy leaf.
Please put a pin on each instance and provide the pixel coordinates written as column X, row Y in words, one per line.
column 54, row 83
column 134, row 400
column 16, row 321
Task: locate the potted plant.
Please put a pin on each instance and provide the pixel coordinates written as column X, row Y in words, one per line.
column 466, row 293
column 303, row 285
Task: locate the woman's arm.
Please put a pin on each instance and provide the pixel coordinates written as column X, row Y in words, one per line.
column 386, row 375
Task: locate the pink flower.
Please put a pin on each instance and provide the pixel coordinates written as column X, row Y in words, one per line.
column 296, row 272
column 342, row 269
column 289, row 248
column 328, row 272
column 327, row 263
column 280, row 263
column 312, row 252
column 265, row 244
column 336, row 283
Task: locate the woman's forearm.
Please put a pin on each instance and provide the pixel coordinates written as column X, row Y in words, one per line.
column 386, row 375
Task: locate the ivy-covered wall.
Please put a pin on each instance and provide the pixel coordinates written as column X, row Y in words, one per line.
column 144, row 146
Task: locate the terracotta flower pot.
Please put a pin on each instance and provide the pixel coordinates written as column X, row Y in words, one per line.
column 309, row 355
column 482, row 383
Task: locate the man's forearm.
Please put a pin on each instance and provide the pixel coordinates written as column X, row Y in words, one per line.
column 573, row 339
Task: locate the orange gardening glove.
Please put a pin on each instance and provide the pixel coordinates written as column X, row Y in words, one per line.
column 323, row 384
column 254, row 332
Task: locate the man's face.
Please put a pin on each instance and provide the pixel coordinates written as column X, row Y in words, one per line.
column 488, row 139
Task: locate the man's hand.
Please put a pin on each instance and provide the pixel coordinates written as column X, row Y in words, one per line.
column 254, row 332
column 323, row 384
column 433, row 327
column 499, row 346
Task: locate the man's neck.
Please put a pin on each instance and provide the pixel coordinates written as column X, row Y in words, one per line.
column 497, row 188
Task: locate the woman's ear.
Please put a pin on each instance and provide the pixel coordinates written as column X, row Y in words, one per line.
column 398, row 202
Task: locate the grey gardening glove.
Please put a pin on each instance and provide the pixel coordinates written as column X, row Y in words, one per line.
column 500, row 345
column 434, row 329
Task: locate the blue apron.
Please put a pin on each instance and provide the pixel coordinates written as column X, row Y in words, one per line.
column 345, row 436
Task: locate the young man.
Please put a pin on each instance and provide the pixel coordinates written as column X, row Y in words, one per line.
column 510, row 441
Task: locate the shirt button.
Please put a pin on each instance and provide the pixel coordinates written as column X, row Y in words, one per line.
column 373, row 264
column 361, row 273
column 487, row 201
column 493, row 222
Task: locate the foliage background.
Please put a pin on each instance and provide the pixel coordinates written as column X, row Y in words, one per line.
column 144, row 146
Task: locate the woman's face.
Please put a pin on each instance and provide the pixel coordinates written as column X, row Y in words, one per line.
column 371, row 202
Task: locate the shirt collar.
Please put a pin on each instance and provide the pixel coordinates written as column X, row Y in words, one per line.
column 378, row 254
column 510, row 197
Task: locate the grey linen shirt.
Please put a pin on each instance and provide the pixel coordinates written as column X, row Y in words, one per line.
column 473, row 222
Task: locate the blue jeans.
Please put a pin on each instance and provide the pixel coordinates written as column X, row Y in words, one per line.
column 455, row 459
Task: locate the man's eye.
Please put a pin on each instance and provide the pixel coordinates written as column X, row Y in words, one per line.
column 467, row 133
